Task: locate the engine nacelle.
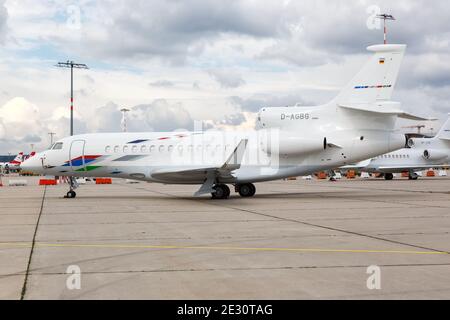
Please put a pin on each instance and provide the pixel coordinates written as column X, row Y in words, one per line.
column 434, row 155
column 286, row 144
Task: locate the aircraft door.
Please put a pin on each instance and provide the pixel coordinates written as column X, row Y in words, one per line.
column 76, row 155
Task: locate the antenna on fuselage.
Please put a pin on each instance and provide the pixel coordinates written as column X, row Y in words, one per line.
column 385, row 17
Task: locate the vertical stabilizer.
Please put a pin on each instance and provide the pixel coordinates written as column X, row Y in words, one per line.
column 18, row 159
column 377, row 79
column 444, row 133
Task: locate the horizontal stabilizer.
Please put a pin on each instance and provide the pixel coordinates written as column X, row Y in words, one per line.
column 387, row 110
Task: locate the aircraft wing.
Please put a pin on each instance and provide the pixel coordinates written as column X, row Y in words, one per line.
column 359, row 165
column 180, row 175
column 206, row 174
column 408, row 168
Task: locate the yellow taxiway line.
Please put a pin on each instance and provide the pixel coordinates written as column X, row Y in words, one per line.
column 213, row 248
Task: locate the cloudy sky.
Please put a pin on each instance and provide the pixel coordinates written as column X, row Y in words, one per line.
column 174, row 62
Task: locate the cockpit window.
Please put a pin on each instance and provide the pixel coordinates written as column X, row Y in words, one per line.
column 58, row 146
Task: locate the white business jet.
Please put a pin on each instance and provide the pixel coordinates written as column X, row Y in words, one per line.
column 293, row 141
column 422, row 154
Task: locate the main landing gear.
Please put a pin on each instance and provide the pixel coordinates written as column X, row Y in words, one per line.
column 413, row 176
column 73, row 185
column 246, row 190
column 222, row 191
column 389, row 176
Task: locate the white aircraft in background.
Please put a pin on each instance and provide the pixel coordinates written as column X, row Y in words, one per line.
column 293, row 141
column 13, row 164
column 423, row 154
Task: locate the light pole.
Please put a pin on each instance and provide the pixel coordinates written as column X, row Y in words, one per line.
column 51, row 134
column 72, row 65
column 124, row 119
column 385, row 17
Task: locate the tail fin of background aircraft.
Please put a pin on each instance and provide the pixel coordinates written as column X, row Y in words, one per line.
column 29, row 156
column 377, row 79
column 444, row 133
column 18, row 159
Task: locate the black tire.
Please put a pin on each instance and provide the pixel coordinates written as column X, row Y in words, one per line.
column 246, row 190
column 389, row 176
column 222, row 192
column 71, row 195
column 413, row 177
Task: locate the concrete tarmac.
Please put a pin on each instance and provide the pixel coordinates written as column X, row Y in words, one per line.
column 294, row 240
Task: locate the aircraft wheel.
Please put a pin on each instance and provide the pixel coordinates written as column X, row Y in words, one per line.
column 222, row 192
column 389, row 176
column 413, row 176
column 71, row 195
column 246, row 190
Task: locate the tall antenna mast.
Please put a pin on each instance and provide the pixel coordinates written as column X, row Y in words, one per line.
column 385, row 17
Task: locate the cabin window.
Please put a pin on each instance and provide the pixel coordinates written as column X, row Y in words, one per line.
column 161, row 148
column 134, row 149
column 108, row 149
column 58, row 146
column 170, row 149
column 152, row 149
column 125, row 149
column 144, row 149
column 116, row 149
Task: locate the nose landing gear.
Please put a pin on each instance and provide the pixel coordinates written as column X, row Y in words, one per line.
column 71, row 194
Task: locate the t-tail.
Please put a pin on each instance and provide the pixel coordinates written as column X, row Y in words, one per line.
column 372, row 88
column 376, row 80
column 444, row 133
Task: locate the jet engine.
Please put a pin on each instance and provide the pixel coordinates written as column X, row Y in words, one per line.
column 434, row 155
column 285, row 144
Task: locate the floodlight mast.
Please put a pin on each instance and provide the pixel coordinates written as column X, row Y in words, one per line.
column 385, row 17
column 72, row 65
column 124, row 119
